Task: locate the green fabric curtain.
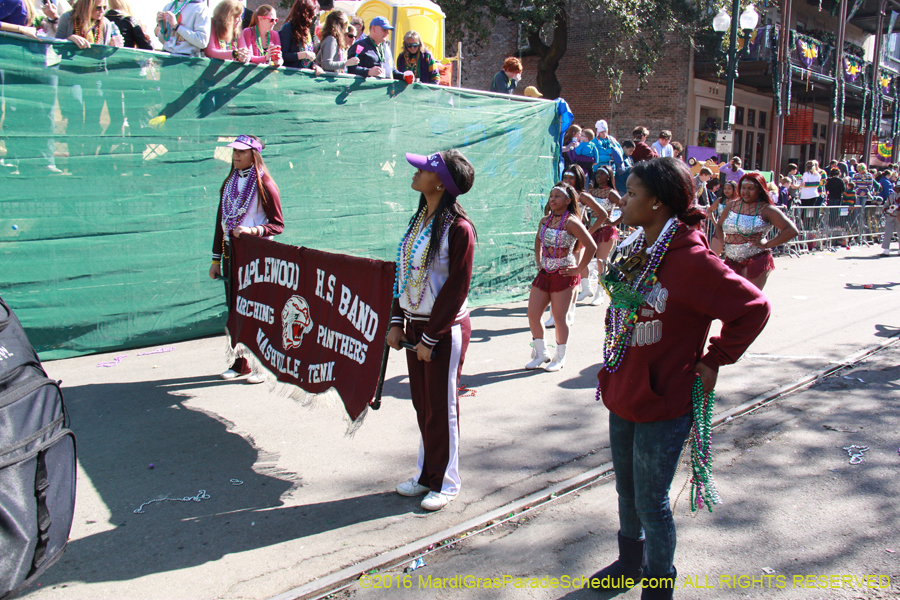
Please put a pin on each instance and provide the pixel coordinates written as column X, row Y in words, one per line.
column 113, row 160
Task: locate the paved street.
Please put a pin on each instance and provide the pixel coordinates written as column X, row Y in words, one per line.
column 291, row 498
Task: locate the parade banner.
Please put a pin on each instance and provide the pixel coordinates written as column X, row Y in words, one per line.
column 312, row 319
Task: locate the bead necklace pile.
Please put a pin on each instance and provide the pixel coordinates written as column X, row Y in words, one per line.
column 627, row 294
column 556, row 244
column 259, row 46
column 235, row 204
column 406, row 253
column 92, row 35
column 703, row 488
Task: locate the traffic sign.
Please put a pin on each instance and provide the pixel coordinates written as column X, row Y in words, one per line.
column 724, row 141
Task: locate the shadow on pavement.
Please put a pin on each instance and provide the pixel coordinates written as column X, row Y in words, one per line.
column 123, row 428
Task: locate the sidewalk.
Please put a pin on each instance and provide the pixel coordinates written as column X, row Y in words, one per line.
column 793, row 507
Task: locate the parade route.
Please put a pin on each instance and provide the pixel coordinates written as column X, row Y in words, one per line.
column 274, row 495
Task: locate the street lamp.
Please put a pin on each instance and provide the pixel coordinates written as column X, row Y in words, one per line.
column 721, row 23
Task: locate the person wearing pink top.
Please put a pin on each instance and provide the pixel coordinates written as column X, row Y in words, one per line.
column 225, row 41
column 261, row 38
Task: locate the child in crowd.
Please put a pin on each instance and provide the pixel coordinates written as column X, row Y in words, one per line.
column 585, row 153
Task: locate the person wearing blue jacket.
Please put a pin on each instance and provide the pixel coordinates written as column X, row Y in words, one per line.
column 375, row 58
column 585, row 153
column 623, row 171
column 608, row 148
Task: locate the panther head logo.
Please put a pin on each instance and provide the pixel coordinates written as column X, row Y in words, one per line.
column 295, row 322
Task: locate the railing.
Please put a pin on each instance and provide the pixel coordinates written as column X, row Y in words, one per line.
column 829, row 226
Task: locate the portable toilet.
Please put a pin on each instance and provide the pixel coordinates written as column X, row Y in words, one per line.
column 423, row 16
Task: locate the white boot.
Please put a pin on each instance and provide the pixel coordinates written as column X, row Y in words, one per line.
column 598, row 297
column 570, row 315
column 585, row 289
column 539, row 354
column 559, row 360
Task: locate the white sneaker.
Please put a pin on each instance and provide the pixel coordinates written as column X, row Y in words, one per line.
column 257, row 378
column 886, row 251
column 411, row 487
column 232, row 374
column 585, row 289
column 436, row 501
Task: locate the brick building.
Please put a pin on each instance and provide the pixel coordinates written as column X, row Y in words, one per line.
column 686, row 96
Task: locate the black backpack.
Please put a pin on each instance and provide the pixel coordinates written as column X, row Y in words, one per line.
column 37, row 462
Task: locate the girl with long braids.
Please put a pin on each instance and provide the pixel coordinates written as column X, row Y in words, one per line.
column 434, row 270
column 743, row 226
column 556, row 246
column 665, row 289
column 249, row 204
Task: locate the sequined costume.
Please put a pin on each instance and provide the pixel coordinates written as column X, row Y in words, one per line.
column 609, row 232
column 557, row 254
column 746, row 259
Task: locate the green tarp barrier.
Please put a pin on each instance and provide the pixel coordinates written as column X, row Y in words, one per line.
column 107, row 210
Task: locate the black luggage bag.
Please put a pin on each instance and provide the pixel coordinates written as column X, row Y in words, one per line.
column 37, row 462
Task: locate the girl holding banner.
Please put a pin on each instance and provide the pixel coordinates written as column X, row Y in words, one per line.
column 250, row 204
column 434, row 270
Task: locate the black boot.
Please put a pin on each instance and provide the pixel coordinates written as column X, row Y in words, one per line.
column 625, row 573
column 659, row 588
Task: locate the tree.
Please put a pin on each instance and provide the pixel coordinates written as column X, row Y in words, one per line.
column 637, row 32
column 473, row 20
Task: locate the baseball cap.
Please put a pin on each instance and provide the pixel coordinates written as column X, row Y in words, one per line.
column 382, row 22
column 435, row 164
column 532, row 92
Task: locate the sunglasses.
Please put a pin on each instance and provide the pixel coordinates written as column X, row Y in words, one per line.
column 273, row 19
column 412, row 45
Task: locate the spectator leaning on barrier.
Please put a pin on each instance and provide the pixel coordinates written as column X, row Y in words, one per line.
column 262, row 39
column 225, row 42
column 86, row 24
column 18, row 16
column 809, row 194
column 414, row 57
column 887, row 186
column 373, row 52
column 506, row 80
column 336, row 39
column 662, row 146
column 133, row 35
column 793, row 174
column 297, row 47
column 183, row 27
column 642, row 151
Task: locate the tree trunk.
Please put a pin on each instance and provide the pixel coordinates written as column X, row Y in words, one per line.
column 550, row 56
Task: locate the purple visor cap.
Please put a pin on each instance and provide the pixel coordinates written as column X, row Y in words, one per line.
column 435, row 164
column 245, row 142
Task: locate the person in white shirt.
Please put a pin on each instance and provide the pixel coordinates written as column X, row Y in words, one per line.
column 662, row 145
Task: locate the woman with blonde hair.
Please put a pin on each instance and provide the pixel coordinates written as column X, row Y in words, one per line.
column 86, row 24
column 225, row 40
column 133, row 35
column 262, row 39
column 417, row 59
column 332, row 54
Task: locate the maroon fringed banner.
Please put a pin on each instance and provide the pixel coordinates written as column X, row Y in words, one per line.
column 314, row 320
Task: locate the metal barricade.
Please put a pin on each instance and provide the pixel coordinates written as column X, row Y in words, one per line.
column 828, row 226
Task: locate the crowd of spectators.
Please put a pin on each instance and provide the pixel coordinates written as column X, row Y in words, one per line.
column 233, row 32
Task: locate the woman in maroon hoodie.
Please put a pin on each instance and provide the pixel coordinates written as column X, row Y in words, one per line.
column 666, row 288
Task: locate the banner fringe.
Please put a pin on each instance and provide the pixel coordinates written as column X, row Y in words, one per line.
column 328, row 399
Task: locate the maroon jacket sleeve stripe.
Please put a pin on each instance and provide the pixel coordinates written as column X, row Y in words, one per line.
column 450, row 299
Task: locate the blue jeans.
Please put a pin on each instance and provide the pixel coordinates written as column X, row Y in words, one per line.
column 645, row 456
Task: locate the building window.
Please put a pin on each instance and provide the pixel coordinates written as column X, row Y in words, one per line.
column 739, row 115
column 762, row 119
column 760, row 149
column 738, row 142
column 751, row 117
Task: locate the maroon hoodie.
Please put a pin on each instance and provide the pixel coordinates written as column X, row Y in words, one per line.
column 656, row 376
